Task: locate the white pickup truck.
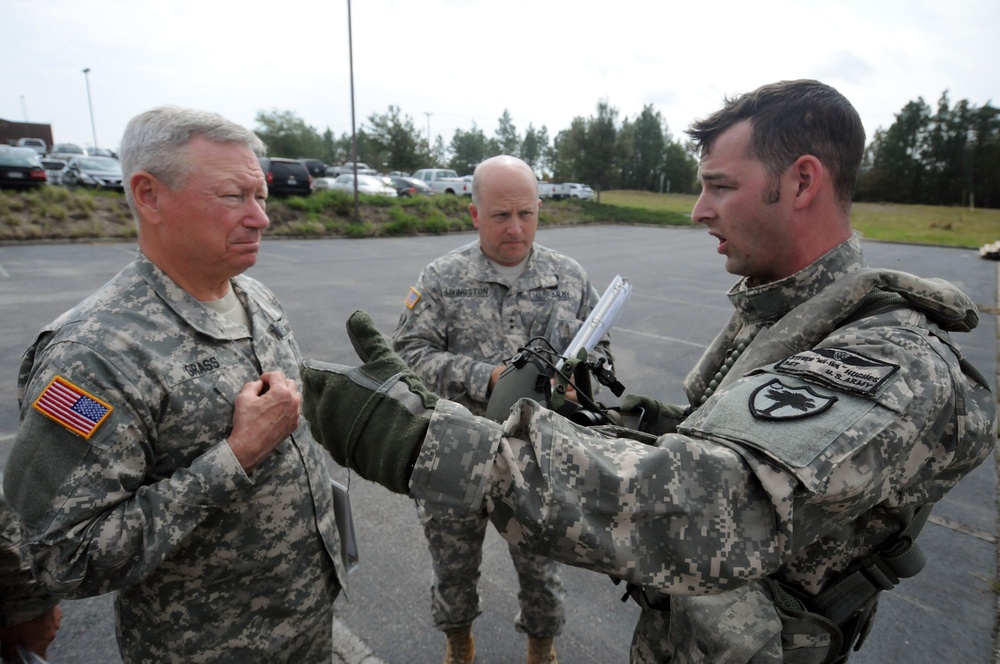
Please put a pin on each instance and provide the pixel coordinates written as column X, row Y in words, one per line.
column 445, row 181
column 547, row 189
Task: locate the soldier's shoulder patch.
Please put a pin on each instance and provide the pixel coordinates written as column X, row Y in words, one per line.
column 412, row 297
column 776, row 401
column 839, row 368
column 72, row 406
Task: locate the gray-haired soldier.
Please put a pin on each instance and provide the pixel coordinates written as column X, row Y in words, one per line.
column 824, row 421
column 161, row 452
column 470, row 310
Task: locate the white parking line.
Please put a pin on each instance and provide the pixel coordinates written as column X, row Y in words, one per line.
column 658, row 336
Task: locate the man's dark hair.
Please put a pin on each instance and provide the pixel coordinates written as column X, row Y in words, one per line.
column 790, row 119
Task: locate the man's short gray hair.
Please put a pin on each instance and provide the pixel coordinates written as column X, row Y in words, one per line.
column 154, row 141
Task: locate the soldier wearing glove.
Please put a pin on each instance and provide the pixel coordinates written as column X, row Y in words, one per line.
column 827, row 418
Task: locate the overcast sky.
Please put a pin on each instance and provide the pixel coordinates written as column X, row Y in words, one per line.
column 465, row 61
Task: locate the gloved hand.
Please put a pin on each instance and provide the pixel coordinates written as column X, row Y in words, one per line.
column 371, row 418
column 658, row 418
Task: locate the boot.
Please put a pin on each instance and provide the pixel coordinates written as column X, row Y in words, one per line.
column 461, row 648
column 541, row 650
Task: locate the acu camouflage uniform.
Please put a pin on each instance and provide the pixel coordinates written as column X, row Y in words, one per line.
column 209, row 564
column 815, row 447
column 22, row 598
column 465, row 322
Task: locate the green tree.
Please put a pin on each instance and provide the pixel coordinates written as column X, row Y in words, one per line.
column 898, row 159
column 567, row 151
column 287, row 135
column 468, row 148
column 535, row 148
column 599, row 164
column 393, row 142
column 439, row 153
column 643, row 148
column 680, row 169
column 507, row 139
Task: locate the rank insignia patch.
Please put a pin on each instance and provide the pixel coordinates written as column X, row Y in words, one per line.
column 776, row 401
column 412, row 298
column 72, row 407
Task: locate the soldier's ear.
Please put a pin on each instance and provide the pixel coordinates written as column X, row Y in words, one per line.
column 145, row 193
column 808, row 174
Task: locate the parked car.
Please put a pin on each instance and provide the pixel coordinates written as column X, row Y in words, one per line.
column 348, row 167
column 97, row 172
column 576, row 190
column 286, row 177
column 397, row 174
column 20, row 171
column 53, row 169
column 367, row 184
column 406, row 186
column 316, row 167
column 36, row 144
column 101, row 152
column 445, row 181
column 18, row 150
column 66, row 151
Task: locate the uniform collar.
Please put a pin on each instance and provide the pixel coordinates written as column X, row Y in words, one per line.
column 193, row 312
column 533, row 277
column 773, row 300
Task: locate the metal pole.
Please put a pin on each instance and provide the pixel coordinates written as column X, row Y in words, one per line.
column 93, row 127
column 24, row 110
column 354, row 135
column 428, row 114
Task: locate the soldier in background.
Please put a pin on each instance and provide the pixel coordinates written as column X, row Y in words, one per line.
column 469, row 311
column 29, row 614
column 823, row 422
column 161, row 453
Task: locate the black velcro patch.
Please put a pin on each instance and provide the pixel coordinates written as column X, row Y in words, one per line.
column 776, row 401
column 839, row 368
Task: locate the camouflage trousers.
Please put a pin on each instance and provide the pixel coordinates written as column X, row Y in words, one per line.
column 456, row 548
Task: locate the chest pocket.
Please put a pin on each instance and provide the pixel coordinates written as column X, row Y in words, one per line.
column 797, row 424
column 198, row 413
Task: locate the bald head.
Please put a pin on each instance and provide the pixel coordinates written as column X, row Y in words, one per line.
column 501, row 167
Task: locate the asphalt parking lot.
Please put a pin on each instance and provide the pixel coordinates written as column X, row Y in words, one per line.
column 945, row 614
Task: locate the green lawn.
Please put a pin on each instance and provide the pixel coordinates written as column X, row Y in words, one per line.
column 920, row 224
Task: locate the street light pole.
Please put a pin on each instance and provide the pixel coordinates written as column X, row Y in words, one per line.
column 93, row 127
column 354, row 134
column 428, row 114
column 24, row 110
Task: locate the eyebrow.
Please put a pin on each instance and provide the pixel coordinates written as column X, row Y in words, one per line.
column 711, row 176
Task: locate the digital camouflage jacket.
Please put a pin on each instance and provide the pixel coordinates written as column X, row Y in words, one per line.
column 815, row 447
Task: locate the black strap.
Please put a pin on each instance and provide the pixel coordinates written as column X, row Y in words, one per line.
column 901, row 559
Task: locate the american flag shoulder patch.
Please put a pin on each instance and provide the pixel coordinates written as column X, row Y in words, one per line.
column 73, row 407
column 412, row 298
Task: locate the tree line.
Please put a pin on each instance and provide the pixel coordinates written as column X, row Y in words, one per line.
column 947, row 156
column 599, row 150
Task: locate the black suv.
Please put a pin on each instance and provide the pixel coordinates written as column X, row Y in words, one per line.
column 286, row 177
column 316, row 167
